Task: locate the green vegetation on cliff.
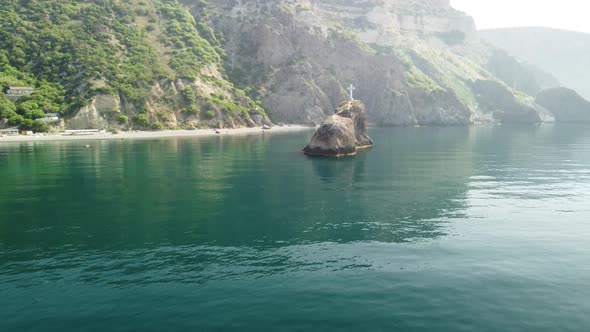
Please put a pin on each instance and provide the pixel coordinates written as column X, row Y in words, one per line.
column 193, row 43
column 70, row 51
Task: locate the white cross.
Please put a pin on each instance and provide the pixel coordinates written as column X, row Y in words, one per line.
column 351, row 90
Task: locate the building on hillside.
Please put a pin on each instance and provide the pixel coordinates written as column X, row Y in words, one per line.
column 50, row 117
column 9, row 131
column 19, row 91
column 81, row 132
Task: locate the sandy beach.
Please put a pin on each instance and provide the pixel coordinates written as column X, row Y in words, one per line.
column 154, row 134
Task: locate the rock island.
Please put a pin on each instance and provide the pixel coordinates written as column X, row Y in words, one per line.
column 342, row 133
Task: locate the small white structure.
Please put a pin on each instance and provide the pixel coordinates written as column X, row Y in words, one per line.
column 351, row 90
column 9, row 131
column 19, row 91
column 50, row 117
column 27, row 133
column 81, row 132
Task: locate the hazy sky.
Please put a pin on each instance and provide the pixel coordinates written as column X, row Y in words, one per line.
column 561, row 14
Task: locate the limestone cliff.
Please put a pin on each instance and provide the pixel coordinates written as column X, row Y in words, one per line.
column 153, row 64
column 567, row 105
column 562, row 53
column 415, row 62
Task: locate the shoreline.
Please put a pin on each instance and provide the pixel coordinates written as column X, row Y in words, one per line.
column 154, row 134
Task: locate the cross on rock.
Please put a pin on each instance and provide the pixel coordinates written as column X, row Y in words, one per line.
column 351, row 90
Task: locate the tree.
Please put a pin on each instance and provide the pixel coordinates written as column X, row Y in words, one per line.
column 189, row 95
column 37, row 126
column 15, row 120
column 123, row 119
column 40, row 126
column 26, row 124
column 7, row 108
column 141, row 120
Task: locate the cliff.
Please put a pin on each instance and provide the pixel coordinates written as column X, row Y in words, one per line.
column 566, row 105
column 113, row 64
column 151, row 64
column 562, row 53
column 414, row 62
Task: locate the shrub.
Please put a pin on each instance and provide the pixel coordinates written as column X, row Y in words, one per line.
column 218, row 96
column 26, row 124
column 37, row 114
column 107, row 90
column 7, row 114
column 7, row 107
column 209, row 114
column 40, row 126
column 141, row 120
column 15, row 120
column 193, row 109
column 156, row 126
column 37, row 126
column 123, row 119
column 189, row 95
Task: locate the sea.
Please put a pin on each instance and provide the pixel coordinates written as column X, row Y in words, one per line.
column 434, row 229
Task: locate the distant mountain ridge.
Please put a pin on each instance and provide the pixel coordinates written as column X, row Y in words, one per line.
column 564, row 54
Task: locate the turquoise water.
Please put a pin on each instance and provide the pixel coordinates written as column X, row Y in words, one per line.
column 435, row 229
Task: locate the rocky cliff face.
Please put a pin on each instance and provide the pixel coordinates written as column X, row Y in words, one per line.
column 519, row 75
column 567, row 105
column 503, row 106
column 226, row 63
column 414, row 62
column 562, row 53
column 180, row 103
column 387, row 22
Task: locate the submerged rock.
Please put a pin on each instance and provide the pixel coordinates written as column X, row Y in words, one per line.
column 342, row 133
